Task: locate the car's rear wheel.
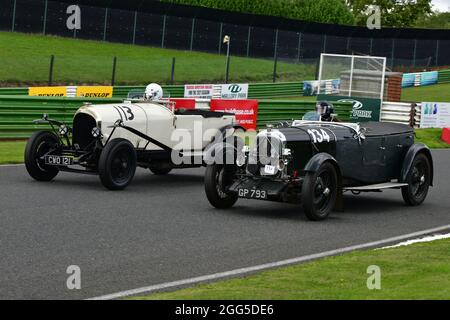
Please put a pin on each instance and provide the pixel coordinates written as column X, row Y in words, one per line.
column 319, row 192
column 117, row 164
column 419, row 180
column 38, row 145
column 217, row 178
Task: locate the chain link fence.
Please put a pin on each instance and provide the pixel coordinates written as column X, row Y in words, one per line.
column 194, row 34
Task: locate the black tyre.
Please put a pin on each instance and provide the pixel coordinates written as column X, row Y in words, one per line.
column 419, row 180
column 117, row 164
column 217, row 177
column 38, row 145
column 319, row 192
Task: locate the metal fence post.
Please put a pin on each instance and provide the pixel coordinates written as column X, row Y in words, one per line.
column 437, row 52
column 163, row 31
column 192, row 34
column 113, row 79
column 393, row 54
column 50, row 73
column 13, row 23
column 299, row 46
column 414, row 53
column 134, row 27
column 348, row 44
column 44, row 23
column 324, row 47
column 172, row 75
column 220, row 38
column 275, row 57
column 106, row 24
column 248, row 40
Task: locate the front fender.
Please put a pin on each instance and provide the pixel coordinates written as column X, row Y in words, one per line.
column 409, row 158
column 317, row 160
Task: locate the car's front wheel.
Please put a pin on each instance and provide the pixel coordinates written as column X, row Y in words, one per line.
column 419, row 180
column 117, row 164
column 217, row 178
column 319, row 192
column 38, row 145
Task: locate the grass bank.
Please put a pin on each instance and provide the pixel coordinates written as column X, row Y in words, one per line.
column 25, row 60
column 418, row 271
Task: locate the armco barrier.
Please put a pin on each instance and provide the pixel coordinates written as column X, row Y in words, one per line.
column 400, row 112
column 17, row 113
column 270, row 111
column 444, row 76
column 256, row 90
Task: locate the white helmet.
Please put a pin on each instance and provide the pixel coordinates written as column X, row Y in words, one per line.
column 153, row 92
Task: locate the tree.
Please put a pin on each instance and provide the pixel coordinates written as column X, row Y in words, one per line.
column 435, row 20
column 394, row 13
column 326, row 11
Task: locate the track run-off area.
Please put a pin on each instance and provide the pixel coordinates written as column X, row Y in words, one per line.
column 162, row 229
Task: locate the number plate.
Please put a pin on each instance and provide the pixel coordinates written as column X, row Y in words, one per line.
column 253, row 194
column 58, row 160
column 269, row 169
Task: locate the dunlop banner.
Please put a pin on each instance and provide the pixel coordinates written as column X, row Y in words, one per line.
column 47, row 91
column 95, row 92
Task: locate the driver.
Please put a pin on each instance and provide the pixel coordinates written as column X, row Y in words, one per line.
column 153, row 92
column 326, row 111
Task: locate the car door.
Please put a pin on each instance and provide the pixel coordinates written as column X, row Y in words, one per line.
column 374, row 159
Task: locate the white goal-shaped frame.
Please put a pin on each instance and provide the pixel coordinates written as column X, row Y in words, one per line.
column 352, row 76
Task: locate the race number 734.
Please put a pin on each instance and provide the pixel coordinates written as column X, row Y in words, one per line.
column 319, row 136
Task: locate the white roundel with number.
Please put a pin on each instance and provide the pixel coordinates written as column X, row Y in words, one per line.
column 319, row 135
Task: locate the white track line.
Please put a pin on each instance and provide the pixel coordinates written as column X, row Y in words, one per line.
column 243, row 271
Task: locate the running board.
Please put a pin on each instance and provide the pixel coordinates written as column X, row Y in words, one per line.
column 376, row 187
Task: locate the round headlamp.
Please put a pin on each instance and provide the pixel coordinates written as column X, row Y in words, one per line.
column 281, row 165
column 96, row 132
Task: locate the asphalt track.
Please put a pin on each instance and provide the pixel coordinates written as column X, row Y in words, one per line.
column 162, row 229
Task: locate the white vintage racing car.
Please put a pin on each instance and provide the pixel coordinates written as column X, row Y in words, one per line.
column 112, row 140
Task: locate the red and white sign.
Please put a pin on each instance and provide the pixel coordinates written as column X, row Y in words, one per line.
column 246, row 111
column 199, row 91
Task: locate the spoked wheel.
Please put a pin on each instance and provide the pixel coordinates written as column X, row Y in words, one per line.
column 217, row 178
column 418, row 179
column 117, row 164
column 38, row 145
column 319, row 192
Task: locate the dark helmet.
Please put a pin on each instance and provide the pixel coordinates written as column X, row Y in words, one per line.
column 325, row 109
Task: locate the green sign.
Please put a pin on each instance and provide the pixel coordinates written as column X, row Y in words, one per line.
column 364, row 109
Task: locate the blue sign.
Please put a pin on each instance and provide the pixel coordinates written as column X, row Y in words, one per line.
column 429, row 78
column 408, row 80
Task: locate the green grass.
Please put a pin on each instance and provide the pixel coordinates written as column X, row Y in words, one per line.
column 431, row 137
column 25, row 60
column 433, row 93
column 11, row 152
column 420, row 271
